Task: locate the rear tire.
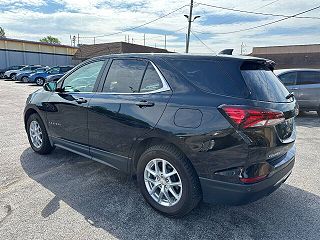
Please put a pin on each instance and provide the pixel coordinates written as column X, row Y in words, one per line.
column 11, row 76
column 176, row 200
column 24, row 79
column 37, row 135
column 39, row 81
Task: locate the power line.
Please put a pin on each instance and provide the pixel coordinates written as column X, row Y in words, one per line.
column 268, row 4
column 266, row 24
column 251, row 12
column 139, row 26
column 202, row 42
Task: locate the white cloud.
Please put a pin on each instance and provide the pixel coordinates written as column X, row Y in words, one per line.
column 102, row 17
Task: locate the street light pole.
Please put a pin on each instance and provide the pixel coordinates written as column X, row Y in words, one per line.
column 189, row 26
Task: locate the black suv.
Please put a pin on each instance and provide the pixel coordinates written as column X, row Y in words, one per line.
column 217, row 128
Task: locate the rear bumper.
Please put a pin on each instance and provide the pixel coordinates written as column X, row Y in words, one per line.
column 238, row 194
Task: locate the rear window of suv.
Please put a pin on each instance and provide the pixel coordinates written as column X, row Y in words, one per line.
column 263, row 84
column 211, row 76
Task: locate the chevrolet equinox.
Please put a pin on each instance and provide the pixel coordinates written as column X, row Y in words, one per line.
column 214, row 128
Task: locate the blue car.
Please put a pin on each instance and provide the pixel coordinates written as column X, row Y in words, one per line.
column 23, row 75
column 54, row 78
column 39, row 78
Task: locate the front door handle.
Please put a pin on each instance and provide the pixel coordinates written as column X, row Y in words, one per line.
column 144, row 103
column 81, row 100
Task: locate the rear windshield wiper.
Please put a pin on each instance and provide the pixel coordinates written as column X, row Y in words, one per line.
column 290, row 95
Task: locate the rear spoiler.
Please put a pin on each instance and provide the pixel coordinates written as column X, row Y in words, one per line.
column 256, row 64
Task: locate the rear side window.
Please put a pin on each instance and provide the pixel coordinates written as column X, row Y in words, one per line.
column 308, row 77
column 211, row 76
column 124, row 76
column 151, row 80
column 263, row 84
column 288, row 78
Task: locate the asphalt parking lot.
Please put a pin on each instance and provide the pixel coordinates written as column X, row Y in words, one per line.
column 65, row 196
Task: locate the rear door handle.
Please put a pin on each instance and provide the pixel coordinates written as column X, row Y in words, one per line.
column 144, row 103
column 81, row 100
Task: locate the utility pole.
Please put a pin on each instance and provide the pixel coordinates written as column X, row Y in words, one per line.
column 94, row 40
column 78, row 39
column 189, row 26
column 165, row 41
column 125, row 38
column 132, row 41
column 242, row 51
column 144, row 39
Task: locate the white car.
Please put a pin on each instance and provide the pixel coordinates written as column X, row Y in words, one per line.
column 10, row 73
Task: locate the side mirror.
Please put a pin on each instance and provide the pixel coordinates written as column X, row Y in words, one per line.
column 50, row 86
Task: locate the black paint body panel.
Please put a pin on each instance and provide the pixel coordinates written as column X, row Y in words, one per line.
column 110, row 128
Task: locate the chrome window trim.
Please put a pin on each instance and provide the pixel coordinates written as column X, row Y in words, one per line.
column 165, row 86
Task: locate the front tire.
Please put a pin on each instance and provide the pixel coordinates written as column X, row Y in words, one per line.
column 37, row 135
column 39, row 81
column 168, row 181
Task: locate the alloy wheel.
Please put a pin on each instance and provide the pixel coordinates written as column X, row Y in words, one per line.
column 163, row 182
column 36, row 134
column 40, row 82
column 25, row 79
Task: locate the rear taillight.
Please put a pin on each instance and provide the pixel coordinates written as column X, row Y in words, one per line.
column 246, row 117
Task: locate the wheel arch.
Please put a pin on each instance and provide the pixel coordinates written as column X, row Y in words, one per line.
column 147, row 143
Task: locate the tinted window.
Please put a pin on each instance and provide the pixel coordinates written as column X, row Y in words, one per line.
column 211, row 76
column 308, row 77
column 124, row 76
column 54, row 70
column 33, row 68
column 65, row 69
column 288, row 78
column 264, row 85
column 151, row 80
column 83, row 79
column 25, row 68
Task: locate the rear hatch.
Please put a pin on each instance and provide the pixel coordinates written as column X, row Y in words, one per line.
column 267, row 121
column 249, row 86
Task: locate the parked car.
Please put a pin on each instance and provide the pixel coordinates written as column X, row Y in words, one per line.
column 217, row 128
column 305, row 84
column 23, row 76
column 2, row 71
column 12, row 73
column 39, row 78
column 25, row 70
column 54, row 78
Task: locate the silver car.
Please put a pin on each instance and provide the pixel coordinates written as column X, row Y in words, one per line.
column 305, row 84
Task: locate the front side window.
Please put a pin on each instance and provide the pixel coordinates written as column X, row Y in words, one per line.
column 124, row 76
column 309, row 77
column 288, row 78
column 83, row 79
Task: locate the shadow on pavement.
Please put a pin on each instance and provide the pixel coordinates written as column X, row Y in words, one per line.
column 111, row 201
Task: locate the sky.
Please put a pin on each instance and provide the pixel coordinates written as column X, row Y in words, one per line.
column 212, row 32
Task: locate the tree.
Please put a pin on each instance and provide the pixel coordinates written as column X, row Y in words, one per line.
column 2, row 33
column 50, row 39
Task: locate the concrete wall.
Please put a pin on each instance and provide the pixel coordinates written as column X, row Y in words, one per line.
column 17, row 52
